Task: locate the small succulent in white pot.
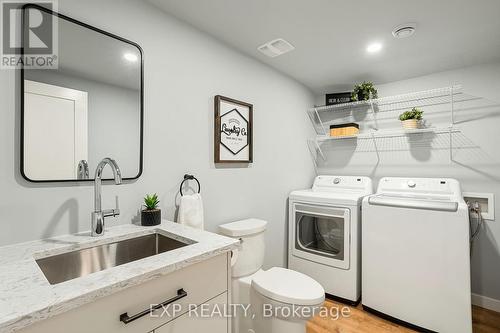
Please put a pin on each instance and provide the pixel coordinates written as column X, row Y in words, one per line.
column 411, row 119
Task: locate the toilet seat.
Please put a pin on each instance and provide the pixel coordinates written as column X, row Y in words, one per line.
column 287, row 286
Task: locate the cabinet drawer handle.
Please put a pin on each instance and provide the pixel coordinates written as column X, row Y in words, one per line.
column 126, row 319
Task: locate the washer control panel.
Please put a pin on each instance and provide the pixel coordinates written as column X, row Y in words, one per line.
column 446, row 187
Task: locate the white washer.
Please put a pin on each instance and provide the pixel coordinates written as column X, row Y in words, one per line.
column 415, row 243
column 324, row 233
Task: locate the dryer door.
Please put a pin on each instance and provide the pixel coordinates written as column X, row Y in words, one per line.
column 322, row 234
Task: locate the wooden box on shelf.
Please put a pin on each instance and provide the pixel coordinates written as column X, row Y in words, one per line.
column 350, row 129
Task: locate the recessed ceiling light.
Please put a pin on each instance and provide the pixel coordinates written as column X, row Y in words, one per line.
column 276, row 47
column 374, row 48
column 131, row 57
column 404, row 30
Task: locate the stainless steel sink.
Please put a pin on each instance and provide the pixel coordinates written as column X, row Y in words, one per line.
column 71, row 265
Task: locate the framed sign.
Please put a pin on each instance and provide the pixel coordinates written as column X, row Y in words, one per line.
column 337, row 98
column 233, row 132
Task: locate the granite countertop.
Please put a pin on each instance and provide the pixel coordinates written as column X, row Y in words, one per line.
column 27, row 297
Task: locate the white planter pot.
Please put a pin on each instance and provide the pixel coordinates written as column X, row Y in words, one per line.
column 410, row 124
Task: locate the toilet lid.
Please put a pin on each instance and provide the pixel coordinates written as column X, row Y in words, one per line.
column 243, row 228
column 287, row 286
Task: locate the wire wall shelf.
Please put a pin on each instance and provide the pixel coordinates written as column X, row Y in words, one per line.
column 392, row 140
column 448, row 96
column 440, row 105
column 390, row 133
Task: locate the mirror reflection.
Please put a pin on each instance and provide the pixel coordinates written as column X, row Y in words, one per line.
column 87, row 109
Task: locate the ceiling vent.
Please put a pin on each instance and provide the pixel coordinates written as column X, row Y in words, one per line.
column 276, row 48
column 404, row 30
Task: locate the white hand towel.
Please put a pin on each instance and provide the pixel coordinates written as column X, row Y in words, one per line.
column 191, row 211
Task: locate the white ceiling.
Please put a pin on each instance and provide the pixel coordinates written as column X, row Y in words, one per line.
column 331, row 36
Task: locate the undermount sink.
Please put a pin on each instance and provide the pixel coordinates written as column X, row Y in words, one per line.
column 71, row 265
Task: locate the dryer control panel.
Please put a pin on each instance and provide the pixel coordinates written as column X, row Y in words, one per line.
column 348, row 184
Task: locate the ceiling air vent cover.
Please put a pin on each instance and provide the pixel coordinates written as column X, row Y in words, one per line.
column 276, row 47
column 404, row 30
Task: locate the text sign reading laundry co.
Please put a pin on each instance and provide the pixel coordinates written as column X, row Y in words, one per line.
column 234, row 131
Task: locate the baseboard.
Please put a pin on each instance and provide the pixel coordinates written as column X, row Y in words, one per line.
column 486, row 302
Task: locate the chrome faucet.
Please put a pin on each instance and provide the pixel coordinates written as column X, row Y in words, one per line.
column 98, row 215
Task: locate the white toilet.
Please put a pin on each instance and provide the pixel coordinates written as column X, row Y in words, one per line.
column 281, row 300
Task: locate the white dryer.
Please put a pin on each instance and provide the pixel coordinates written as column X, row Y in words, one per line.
column 324, row 233
column 415, row 242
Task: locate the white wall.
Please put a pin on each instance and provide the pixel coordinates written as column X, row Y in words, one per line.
column 477, row 168
column 184, row 69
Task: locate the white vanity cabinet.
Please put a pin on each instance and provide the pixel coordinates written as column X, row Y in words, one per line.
column 195, row 321
column 204, row 282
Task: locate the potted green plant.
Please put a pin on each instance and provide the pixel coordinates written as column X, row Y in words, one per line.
column 151, row 214
column 364, row 92
column 411, row 119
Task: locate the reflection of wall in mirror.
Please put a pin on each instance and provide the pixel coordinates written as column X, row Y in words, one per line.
column 113, row 121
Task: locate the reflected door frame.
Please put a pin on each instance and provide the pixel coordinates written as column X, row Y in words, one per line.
column 79, row 99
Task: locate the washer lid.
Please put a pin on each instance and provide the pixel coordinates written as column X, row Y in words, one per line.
column 287, row 286
column 243, row 227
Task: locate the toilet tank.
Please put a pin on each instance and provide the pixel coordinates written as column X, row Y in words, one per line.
column 250, row 257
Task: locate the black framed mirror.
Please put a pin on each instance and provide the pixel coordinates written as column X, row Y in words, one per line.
column 87, row 106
